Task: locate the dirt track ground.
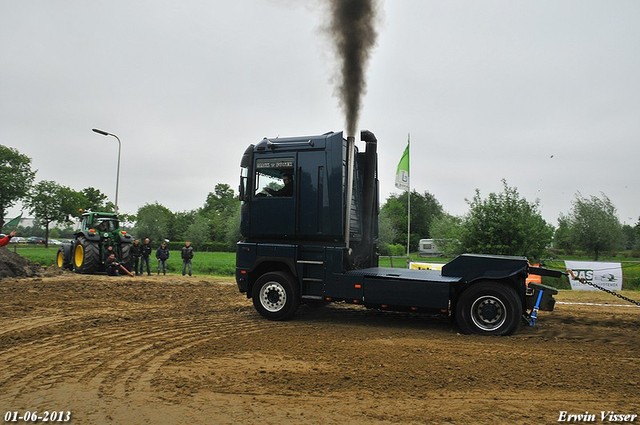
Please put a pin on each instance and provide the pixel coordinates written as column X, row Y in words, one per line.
column 167, row 349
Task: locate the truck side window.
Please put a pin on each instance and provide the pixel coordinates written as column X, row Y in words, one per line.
column 274, row 177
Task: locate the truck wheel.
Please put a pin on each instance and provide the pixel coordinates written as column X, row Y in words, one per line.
column 86, row 256
column 488, row 308
column 275, row 296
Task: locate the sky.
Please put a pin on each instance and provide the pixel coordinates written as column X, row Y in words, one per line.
column 543, row 94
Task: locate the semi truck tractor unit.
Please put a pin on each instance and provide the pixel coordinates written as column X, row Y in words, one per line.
column 309, row 225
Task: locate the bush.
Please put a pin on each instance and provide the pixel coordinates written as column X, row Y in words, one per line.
column 397, row 249
column 556, row 282
column 383, row 249
column 555, row 252
column 632, row 284
column 216, row 247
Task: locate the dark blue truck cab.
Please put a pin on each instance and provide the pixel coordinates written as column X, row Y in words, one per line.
column 313, row 240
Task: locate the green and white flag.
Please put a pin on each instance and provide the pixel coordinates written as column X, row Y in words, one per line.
column 12, row 224
column 402, row 172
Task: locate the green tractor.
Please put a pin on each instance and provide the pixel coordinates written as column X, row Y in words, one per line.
column 88, row 252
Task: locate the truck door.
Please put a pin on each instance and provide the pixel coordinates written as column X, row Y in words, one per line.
column 274, row 201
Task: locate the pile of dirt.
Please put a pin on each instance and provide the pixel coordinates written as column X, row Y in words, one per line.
column 13, row 265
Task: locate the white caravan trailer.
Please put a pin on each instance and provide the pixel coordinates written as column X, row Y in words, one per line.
column 429, row 248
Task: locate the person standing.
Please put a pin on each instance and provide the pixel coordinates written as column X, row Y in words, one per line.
column 187, row 255
column 136, row 253
column 5, row 240
column 162, row 254
column 145, row 254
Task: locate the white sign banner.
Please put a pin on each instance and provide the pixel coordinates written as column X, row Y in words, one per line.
column 425, row 266
column 606, row 275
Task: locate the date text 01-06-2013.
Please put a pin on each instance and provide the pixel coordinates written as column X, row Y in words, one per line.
column 35, row 416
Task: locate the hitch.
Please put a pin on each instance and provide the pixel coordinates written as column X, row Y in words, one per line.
column 534, row 314
column 539, row 297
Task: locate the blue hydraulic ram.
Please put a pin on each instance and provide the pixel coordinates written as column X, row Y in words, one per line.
column 542, row 294
column 536, row 307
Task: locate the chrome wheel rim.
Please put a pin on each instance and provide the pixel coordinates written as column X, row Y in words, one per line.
column 488, row 313
column 273, row 297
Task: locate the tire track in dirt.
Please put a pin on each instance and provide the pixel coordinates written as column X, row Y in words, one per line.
column 154, row 349
column 116, row 358
column 19, row 325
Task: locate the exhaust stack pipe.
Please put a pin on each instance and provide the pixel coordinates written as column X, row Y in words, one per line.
column 367, row 252
column 368, row 137
column 363, row 253
column 351, row 145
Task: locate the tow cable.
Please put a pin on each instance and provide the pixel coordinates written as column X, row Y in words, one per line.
column 570, row 273
column 530, row 319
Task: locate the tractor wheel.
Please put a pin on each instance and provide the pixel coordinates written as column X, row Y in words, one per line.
column 60, row 258
column 125, row 255
column 488, row 308
column 63, row 257
column 86, row 256
column 275, row 296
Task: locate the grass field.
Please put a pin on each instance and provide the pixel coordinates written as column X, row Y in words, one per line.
column 204, row 263
column 223, row 263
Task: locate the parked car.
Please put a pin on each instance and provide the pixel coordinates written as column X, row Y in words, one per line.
column 54, row 242
column 35, row 239
column 17, row 239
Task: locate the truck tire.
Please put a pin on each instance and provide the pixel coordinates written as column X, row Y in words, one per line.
column 86, row 256
column 488, row 308
column 275, row 296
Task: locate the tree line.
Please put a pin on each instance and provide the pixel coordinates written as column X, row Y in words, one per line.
column 502, row 223
column 506, row 223
column 213, row 226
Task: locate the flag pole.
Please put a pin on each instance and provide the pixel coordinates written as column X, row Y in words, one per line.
column 408, row 193
column 403, row 182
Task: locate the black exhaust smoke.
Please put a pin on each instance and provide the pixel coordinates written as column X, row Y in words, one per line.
column 353, row 31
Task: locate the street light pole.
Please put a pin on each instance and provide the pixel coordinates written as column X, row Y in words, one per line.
column 104, row 133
